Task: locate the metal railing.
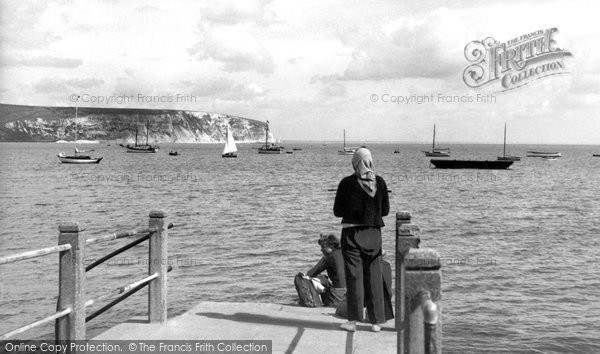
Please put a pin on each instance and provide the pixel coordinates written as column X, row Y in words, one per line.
column 418, row 291
column 70, row 315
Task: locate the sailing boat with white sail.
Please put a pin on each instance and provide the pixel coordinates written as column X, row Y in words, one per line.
column 230, row 150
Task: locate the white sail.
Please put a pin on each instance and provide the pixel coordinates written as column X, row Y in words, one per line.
column 271, row 138
column 229, row 143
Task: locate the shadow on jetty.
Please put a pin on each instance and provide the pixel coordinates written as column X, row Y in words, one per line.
column 287, row 322
column 280, row 321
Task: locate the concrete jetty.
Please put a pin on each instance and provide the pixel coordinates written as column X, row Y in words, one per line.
column 293, row 329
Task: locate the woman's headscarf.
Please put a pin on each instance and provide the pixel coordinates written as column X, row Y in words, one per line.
column 362, row 161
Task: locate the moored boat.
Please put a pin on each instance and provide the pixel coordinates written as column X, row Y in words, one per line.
column 437, row 152
column 78, row 159
column 543, row 154
column 505, row 157
column 140, row 148
column 270, row 146
column 347, row 150
column 172, row 152
column 473, row 164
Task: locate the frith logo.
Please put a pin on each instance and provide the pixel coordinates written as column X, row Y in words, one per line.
column 515, row 63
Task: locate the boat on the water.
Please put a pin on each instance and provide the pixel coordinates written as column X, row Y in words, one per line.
column 140, row 148
column 437, row 152
column 230, row 150
column 596, row 155
column 270, row 147
column 543, row 154
column 505, row 157
column 172, row 152
column 347, row 150
column 78, row 159
column 474, row 164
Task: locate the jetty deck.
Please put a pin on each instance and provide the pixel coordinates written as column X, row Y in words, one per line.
column 293, row 329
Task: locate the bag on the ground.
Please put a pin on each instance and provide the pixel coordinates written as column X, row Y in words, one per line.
column 307, row 293
column 342, row 308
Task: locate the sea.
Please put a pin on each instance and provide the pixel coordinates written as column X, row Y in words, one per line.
column 519, row 247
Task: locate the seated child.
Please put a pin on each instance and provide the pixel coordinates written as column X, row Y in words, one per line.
column 324, row 290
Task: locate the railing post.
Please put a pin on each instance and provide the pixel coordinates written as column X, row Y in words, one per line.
column 406, row 238
column 423, row 293
column 71, row 288
column 157, row 263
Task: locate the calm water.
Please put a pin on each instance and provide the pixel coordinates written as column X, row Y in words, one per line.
column 519, row 247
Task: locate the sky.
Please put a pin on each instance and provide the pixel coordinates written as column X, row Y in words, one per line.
column 312, row 68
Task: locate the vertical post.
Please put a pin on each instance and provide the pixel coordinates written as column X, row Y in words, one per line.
column 406, row 237
column 423, row 293
column 71, row 288
column 157, row 263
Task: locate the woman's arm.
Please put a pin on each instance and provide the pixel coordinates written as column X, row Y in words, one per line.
column 339, row 206
column 385, row 201
column 318, row 268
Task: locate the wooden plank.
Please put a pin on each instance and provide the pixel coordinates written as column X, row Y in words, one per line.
column 51, row 318
column 34, row 254
column 120, row 234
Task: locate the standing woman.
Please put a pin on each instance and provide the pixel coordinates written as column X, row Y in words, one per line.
column 361, row 201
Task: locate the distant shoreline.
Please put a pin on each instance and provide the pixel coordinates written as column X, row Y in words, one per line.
column 308, row 142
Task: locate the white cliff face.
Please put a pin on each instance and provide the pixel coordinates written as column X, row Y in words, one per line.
column 111, row 124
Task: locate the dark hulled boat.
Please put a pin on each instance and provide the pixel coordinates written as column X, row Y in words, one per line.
column 78, row 159
column 140, row 148
column 476, row 164
column 270, row 146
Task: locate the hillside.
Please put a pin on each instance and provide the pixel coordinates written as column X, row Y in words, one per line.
column 47, row 124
